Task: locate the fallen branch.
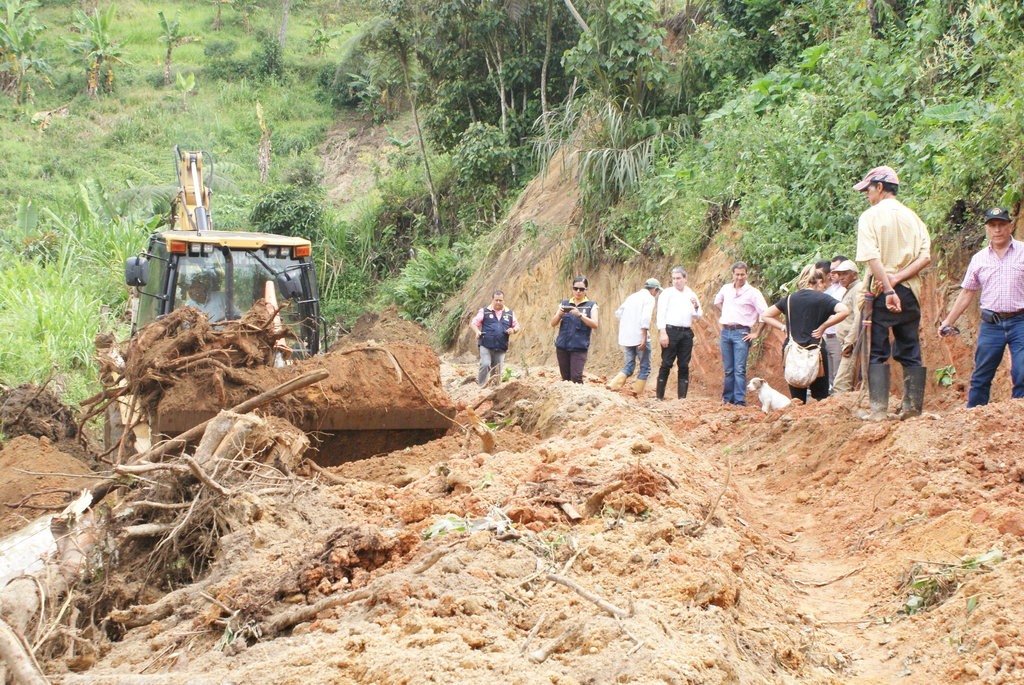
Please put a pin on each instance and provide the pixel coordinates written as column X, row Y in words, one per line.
column 330, row 477
column 145, row 530
column 711, row 511
column 199, row 473
column 589, row 596
column 15, row 653
column 542, row 654
column 596, row 501
column 287, row 619
column 533, row 633
column 823, row 583
column 144, row 614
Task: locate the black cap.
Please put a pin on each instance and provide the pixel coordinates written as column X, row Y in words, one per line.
column 997, row 213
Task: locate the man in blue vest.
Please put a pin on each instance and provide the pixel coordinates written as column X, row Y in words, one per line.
column 493, row 325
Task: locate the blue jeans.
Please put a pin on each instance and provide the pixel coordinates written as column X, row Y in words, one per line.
column 734, row 362
column 993, row 338
column 631, row 354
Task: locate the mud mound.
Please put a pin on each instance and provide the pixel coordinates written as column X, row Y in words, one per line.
column 386, row 326
column 553, row 409
column 33, row 410
column 874, row 513
column 39, row 455
column 412, row 463
column 368, row 388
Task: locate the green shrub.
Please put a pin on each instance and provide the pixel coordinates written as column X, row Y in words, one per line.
column 482, row 156
column 292, row 210
column 427, row 280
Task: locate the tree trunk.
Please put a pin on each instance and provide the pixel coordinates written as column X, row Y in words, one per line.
column 576, row 16
column 167, row 66
column 216, row 19
column 284, row 23
column 544, row 74
column 435, row 213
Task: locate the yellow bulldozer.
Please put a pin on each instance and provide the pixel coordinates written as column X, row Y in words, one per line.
column 383, row 398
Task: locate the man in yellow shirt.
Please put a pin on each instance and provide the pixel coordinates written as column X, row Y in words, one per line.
column 894, row 243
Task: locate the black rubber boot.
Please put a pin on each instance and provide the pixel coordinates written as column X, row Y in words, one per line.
column 659, row 390
column 682, row 385
column 914, row 378
column 878, row 391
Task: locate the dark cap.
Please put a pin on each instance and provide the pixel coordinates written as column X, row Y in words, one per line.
column 652, row 283
column 997, row 213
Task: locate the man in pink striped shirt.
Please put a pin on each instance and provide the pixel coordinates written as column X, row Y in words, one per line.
column 741, row 305
column 998, row 271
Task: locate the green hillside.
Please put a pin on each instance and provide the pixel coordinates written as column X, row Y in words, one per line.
column 685, row 114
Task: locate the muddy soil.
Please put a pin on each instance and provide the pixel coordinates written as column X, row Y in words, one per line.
column 385, row 326
column 39, row 455
column 33, row 410
column 737, row 547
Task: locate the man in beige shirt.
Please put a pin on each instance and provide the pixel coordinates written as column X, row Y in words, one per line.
column 846, row 330
column 894, row 243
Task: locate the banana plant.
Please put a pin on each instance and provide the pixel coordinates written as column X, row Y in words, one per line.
column 19, row 58
column 172, row 38
column 97, row 49
column 216, row 19
column 186, row 86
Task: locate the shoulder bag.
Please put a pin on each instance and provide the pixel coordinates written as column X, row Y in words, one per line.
column 802, row 364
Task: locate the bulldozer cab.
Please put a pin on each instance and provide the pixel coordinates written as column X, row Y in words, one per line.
column 223, row 273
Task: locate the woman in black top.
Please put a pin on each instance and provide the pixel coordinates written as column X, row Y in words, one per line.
column 809, row 311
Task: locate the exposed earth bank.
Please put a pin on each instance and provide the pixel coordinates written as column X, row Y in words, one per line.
column 713, row 544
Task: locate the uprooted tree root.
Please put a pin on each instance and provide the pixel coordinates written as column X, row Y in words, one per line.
column 179, row 509
column 184, row 340
column 166, row 525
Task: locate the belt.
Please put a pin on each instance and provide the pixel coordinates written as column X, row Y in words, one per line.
column 735, row 327
column 676, row 328
column 989, row 316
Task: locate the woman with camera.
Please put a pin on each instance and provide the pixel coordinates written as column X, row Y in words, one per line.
column 575, row 318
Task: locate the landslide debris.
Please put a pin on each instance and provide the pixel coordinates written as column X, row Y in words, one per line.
column 33, row 410
column 183, row 371
column 25, row 496
column 568, row 552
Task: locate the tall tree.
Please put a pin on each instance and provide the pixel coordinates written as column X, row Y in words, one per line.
column 217, row 17
column 172, row 38
column 282, row 34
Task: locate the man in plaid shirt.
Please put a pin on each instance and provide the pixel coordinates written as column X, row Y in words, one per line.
column 998, row 271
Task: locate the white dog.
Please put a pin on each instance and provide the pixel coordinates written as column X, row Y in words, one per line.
column 770, row 399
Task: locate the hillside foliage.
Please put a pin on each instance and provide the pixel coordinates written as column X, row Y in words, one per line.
column 678, row 116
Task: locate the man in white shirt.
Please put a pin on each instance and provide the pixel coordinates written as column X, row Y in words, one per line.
column 678, row 308
column 634, row 320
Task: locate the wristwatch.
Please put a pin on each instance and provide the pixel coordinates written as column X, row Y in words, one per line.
column 889, row 292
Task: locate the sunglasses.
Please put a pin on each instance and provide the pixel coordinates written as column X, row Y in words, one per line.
column 578, row 288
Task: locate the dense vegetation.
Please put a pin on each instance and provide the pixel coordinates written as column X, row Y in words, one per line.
column 682, row 115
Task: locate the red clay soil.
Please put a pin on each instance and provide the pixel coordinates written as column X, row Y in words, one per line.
column 39, row 455
column 740, row 548
column 365, row 391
